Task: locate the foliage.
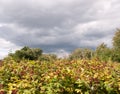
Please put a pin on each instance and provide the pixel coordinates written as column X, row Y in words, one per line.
column 116, row 40
column 59, row 77
column 103, row 52
column 27, row 53
column 81, row 53
column 115, row 56
column 47, row 57
column 28, row 71
column 116, row 46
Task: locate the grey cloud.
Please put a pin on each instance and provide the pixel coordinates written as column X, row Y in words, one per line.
column 31, row 16
column 43, row 39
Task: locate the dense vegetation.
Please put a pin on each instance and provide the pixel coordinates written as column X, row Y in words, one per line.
column 85, row 71
column 59, row 77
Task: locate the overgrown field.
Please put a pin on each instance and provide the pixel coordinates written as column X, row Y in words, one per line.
column 59, row 77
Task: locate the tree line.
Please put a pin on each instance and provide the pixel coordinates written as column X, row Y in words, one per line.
column 102, row 52
column 27, row 53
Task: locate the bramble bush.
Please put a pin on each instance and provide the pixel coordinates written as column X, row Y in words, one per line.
column 59, row 77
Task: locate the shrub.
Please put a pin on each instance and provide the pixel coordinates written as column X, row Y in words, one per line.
column 59, row 77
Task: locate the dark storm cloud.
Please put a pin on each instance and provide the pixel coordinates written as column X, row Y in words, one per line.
column 58, row 24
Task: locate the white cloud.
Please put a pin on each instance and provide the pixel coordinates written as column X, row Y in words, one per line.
column 6, row 47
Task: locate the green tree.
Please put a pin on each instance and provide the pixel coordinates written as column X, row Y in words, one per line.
column 116, row 40
column 27, row 53
column 103, row 52
column 116, row 46
column 81, row 53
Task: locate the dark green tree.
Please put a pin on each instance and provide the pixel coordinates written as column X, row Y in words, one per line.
column 27, row 53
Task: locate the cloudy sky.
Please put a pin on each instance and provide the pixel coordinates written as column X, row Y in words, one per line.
column 57, row 26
